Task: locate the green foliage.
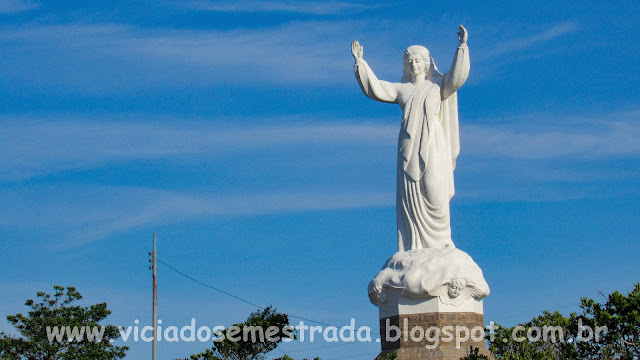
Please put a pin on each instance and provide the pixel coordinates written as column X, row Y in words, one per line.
column 505, row 347
column 57, row 310
column 565, row 338
column 474, row 354
column 389, row 356
column 248, row 348
column 621, row 315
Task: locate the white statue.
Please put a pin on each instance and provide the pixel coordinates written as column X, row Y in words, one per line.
column 427, row 274
column 428, row 144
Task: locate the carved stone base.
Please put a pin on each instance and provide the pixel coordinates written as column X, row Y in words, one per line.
column 448, row 335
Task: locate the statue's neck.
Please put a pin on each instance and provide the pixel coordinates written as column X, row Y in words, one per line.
column 418, row 80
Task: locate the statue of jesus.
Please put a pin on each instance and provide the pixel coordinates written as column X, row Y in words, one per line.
column 428, row 143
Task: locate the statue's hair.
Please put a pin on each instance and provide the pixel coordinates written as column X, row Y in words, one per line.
column 430, row 71
column 459, row 283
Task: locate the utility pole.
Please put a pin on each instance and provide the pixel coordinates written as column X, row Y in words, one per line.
column 153, row 259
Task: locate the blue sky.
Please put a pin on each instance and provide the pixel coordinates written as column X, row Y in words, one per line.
column 237, row 132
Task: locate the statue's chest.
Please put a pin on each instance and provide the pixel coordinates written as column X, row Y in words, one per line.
column 410, row 94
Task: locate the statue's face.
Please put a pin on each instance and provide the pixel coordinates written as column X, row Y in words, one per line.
column 416, row 64
column 454, row 290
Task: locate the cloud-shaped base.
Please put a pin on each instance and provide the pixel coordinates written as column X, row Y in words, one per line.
column 425, row 273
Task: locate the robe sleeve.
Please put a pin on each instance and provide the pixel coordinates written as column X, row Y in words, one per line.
column 375, row 89
column 458, row 74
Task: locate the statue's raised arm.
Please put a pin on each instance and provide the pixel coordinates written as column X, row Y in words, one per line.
column 375, row 89
column 459, row 72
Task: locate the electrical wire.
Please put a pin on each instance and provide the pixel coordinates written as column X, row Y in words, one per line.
column 235, row 296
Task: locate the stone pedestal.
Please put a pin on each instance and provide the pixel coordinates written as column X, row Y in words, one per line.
column 417, row 329
column 448, row 335
column 430, row 304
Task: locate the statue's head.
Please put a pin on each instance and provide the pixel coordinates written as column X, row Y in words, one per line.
column 417, row 61
column 456, row 286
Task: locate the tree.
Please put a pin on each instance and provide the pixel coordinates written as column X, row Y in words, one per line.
column 609, row 331
column 389, row 356
column 243, row 346
column 51, row 311
column 474, row 354
column 504, row 346
column 621, row 315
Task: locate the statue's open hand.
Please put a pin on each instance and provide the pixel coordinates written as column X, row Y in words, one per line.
column 462, row 35
column 357, row 50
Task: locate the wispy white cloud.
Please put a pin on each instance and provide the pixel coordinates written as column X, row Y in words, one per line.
column 547, row 157
column 84, row 214
column 298, row 7
column 534, row 192
column 509, row 45
column 108, row 57
column 17, row 6
column 589, row 137
column 37, row 147
column 503, row 154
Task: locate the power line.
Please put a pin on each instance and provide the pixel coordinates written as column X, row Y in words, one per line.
column 258, row 306
column 235, row 296
column 210, row 286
